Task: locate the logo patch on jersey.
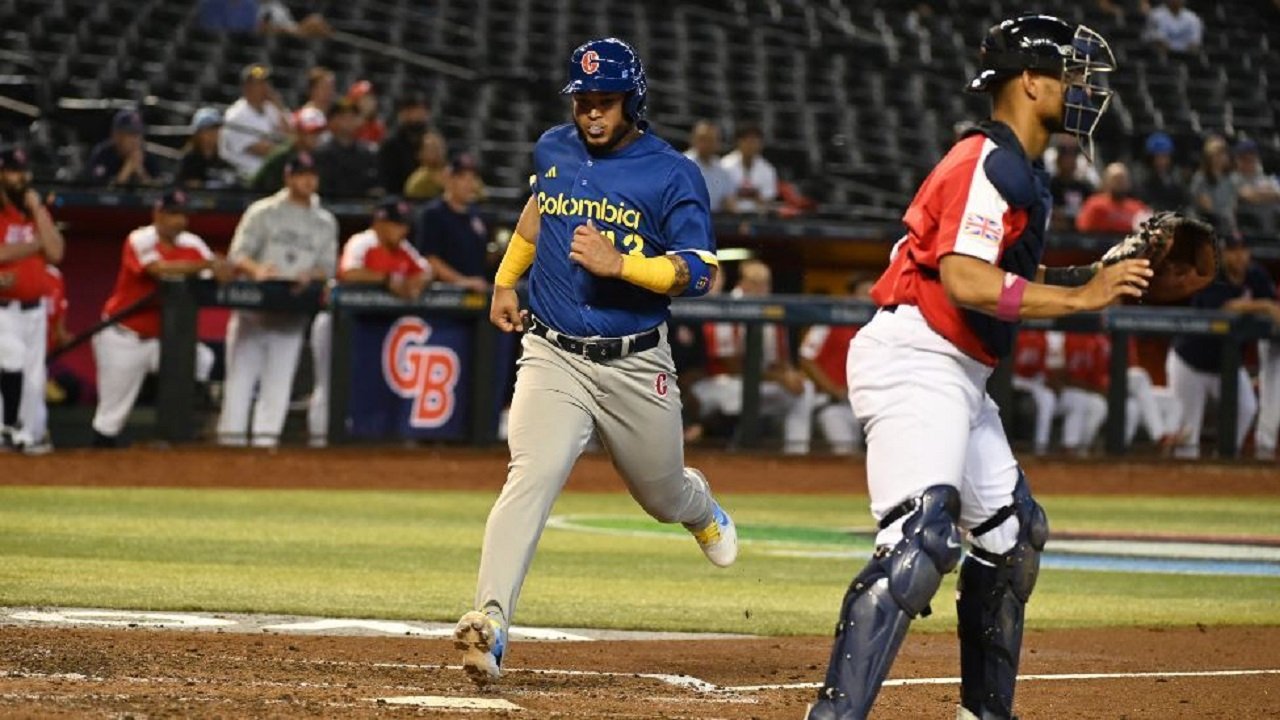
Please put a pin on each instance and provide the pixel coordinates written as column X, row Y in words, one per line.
column 660, row 384
column 590, row 62
column 983, row 228
column 423, row 373
column 551, row 173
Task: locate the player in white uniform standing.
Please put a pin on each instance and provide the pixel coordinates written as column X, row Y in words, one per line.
column 286, row 236
column 28, row 240
column 129, row 349
column 938, row 460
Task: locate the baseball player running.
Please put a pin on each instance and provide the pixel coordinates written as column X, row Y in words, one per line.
column 937, row 457
column 286, row 236
column 129, row 349
column 28, row 240
column 618, row 223
column 379, row 255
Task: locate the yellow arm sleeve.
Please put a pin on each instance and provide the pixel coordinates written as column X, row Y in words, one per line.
column 657, row 274
column 515, row 261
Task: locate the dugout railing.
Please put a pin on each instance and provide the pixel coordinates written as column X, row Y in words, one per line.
column 182, row 300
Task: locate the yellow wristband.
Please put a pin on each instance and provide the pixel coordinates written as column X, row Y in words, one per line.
column 515, row 261
column 651, row 273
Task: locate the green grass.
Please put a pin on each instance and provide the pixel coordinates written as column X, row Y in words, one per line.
column 413, row 556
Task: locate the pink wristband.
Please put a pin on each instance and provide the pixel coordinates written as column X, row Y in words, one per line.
column 1009, row 307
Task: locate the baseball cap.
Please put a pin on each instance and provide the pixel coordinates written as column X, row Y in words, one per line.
column 14, row 158
column 392, row 209
column 129, row 121
column 463, row 162
column 1159, row 143
column 300, row 162
column 309, row 119
column 174, row 200
column 1247, row 147
column 256, row 71
column 205, row 117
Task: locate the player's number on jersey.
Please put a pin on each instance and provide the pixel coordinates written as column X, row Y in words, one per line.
column 632, row 243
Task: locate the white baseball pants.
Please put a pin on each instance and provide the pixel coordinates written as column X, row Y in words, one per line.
column 1264, row 437
column 321, row 361
column 723, row 394
column 1194, row 389
column 123, row 360
column 262, row 357
column 1046, row 401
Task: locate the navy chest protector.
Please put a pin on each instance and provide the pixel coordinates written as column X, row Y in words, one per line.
column 1022, row 185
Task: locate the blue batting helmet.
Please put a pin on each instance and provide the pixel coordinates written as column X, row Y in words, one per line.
column 609, row 65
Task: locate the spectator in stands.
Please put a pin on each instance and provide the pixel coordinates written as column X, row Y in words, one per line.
column 1173, row 27
column 371, row 128
column 308, row 123
column 274, row 17
column 784, row 390
column 754, row 178
column 201, row 166
column 1068, row 190
column 398, row 154
column 321, row 89
column 704, row 149
column 231, row 16
column 122, row 159
column 427, row 180
column 254, row 124
column 1259, row 192
column 1159, row 184
column 450, row 232
column 348, row 166
column 1194, row 362
column 1082, row 169
column 1212, row 191
column 1114, row 209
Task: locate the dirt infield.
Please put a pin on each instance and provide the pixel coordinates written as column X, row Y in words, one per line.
column 71, row 672
column 457, row 469
column 150, row 673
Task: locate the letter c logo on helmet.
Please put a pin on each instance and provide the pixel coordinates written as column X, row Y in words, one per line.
column 609, row 65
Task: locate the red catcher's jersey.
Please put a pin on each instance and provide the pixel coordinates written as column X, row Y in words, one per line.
column 1031, row 355
column 28, row 273
column 142, row 248
column 828, row 347
column 956, row 210
column 363, row 251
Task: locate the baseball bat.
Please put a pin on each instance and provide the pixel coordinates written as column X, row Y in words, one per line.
column 102, row 324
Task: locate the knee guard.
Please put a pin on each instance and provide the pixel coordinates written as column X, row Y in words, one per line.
column 990, row 603
column 895, row 586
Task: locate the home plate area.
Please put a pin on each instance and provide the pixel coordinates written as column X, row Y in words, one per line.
column 103, row 663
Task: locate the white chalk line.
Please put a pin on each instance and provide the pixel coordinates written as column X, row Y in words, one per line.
column 905, row 682
column 687, row 682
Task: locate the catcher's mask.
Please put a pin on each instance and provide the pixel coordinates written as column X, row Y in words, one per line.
column 1043, row 43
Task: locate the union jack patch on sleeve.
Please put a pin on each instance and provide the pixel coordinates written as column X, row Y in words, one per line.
column 982, row 227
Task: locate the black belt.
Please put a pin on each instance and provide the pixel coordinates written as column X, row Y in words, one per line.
column 596, row 349
column 23, row 304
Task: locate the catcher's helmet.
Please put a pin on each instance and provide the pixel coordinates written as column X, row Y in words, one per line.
column 609, row 65
column 1046, row 44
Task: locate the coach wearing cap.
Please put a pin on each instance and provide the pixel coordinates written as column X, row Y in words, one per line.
column 450, row 231
column 286, row 236
column 122, row 159
column 254, row 124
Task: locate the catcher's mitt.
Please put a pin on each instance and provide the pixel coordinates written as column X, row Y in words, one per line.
column 1183, row 252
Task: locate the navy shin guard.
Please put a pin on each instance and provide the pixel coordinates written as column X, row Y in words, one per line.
column 991, row 600
column 883, row 599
